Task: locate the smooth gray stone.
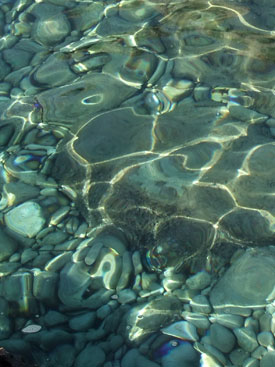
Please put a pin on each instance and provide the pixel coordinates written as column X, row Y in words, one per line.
column 27, row 255
column 55, row 238
column 227, row 320
column 103, row 311
column 16, row 57
column 21, row 191
column 127, row 269
column 86, row 15
column 134, row 359
column 53, row 318
column 82, row 322
column 7, row 246
column 137, row 262
column 97, row 299
column 93, row 252
column 251, row 323
column 183, row 355
column 238, row 356
column 4, row 69
column 247, row 283
column 59, row 261
column 185, row 295
column 5, row 327
column 251, row 362
column 18, row 289
column 126, row 296
column 247, row 339
column 199, row 281
column 74, row 280
column 45, row 286
column 198, row 320
column 62, row 356
column 7, row 268
column 116, row 341
column 51, row 35
column 268, row 360
column 265, row 322
column 200, row 304
column 258, row 352
column 6, row 132
column 212, row 351
column 26, row 219
column 49, row 339
column 90, row 354
column 265, row 338
column 41, row 260
column 55, row 71
column 222, row 338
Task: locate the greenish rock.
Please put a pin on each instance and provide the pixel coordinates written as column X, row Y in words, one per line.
column 142, row 320
column 54, row 72
column 198, row 320
column 27, row 255
column 41, row 260
column 227, row 320
column 62, row 356
column 76, row 103
column 53, row 318
column 137, row 264
column 222, row 338
column 103, row 311
column 74, row 280
column 84, row 16
column 200, row 304
column 50, row 31
column 6, row 132
column 90, row 353
column 238, row 356
column 54, row 238
column 5, row 327
column 265, row 338
column 116, row 341
column 199, row 281
column 49, row 339
column 126, row 296
column 268, row 360
column 265, row 321
column 82, row 322
column 45, row 286
column 246, row 338
column 133, row 358
column 247, row 283
column 4, row 69
column 26, row 219
column 7, row 246
column 58, row 261
column 7, row 268
column 21, row 191
column 127, row 270
column 251, row 362
column 17, row 58
column 258, row 352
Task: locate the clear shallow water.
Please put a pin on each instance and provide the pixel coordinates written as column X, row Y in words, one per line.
column 137, row 151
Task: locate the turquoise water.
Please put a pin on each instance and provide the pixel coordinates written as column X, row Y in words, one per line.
column 137, row 220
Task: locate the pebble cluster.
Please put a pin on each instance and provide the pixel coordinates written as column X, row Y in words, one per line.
column 137, row 213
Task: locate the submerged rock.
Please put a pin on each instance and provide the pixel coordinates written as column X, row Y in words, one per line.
column 247, row 283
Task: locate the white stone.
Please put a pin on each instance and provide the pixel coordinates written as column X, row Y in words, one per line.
column 25, row 219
